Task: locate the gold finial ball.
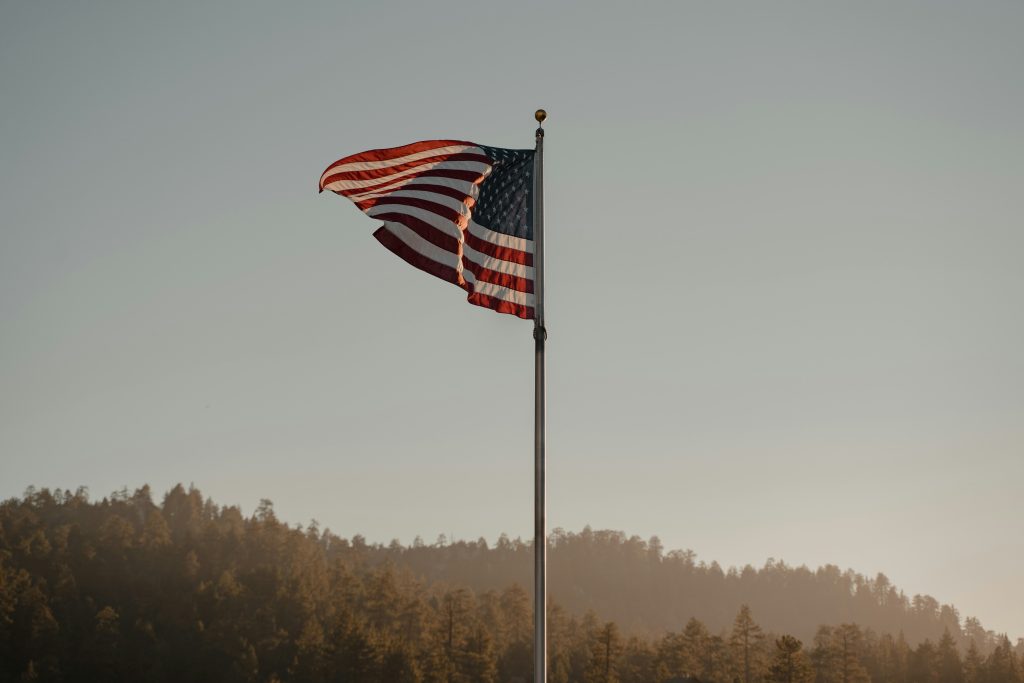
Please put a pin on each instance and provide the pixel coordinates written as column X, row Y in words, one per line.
column 540, row 115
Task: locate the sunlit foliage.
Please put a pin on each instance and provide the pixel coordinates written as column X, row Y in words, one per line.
column 125, row 589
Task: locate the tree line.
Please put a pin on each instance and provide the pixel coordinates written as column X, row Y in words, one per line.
column 647, row 590
column 126, row 589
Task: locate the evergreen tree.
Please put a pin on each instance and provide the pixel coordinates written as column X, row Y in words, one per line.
column 790, row 664
column 1001, row 666
column 516, row 660
column 695, row 645
column 747, row 643
column 715, row 662
column 823, row 656
column 477, row 661
column 974, row 665
column 950, row 668
column 605, row 652
column 847, row 642
column 637, row 663
column 924, row 663
column 670, row 657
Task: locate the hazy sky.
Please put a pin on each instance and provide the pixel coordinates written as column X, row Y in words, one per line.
column 785, row 279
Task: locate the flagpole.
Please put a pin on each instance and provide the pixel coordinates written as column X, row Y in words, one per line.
column 540, row 335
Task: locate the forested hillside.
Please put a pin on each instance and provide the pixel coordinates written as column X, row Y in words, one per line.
column 647, row 591
column 127, row 589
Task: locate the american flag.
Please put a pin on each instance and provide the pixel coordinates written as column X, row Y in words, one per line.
column 460, row 211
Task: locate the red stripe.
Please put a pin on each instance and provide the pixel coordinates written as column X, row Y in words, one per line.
column 445, row 212
column 372, row 173
column 501, row 306
column 396, row 246
column 449, row 243
column 454, row 174
column 495, row 277
column 386, row 153
column 524, row 258
column 432, row 234
column 415, row 258
column 425, row 230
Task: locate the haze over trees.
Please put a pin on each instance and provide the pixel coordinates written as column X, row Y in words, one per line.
column 126, row 589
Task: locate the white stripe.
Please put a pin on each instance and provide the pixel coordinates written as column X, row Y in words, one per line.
column 450, row 260
column 425, row 248
column 497, row 264
column 472, row 166
column 432, row 197
column 500, row 239
column 503, row 293
column 369, row 165
column 432, row 219
column 428, row 249
column 448, row 228
column 470, row 189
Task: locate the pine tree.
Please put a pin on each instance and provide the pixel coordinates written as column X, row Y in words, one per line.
column 670, row 656
column 747, row 642
column 790, row 664
column 477, row 662
column 714, row 664
column 847, row 642
column 516, row 660
column 950, row 668
column 310, row 662
column 974, row 665
column 637, row 662
column 694, row 644
column 605, row 652
column 924, row 664
column 1001, row 666
column 823, row 656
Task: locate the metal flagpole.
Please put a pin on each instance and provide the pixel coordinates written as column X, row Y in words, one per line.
column 540, row 335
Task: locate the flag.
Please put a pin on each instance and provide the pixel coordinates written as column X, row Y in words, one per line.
column 460, row 211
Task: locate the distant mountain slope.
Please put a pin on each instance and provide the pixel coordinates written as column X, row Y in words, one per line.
column 125, row 589
column 648, row 591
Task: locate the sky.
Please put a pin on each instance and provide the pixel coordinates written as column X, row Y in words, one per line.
column 784, row 278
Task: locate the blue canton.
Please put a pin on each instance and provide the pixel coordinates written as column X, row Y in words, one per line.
column 505, row 203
